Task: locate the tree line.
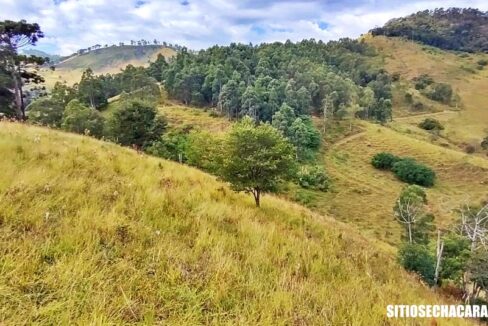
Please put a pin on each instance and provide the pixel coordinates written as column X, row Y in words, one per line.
column 462, row 29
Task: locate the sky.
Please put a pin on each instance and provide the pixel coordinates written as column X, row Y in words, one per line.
column 70, row 25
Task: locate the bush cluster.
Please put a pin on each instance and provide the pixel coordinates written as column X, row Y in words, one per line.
column 384, row 161
column 406, row 169
column 431, row 124
column 313, row 177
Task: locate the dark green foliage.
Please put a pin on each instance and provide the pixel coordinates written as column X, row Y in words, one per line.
column 410, row 212
column 256, row 80
column 417, row 258
column 410, row 171
column 455, row 257
column 431, row 124
column 83, row 120
column 384, row 161
column 46, row 112
column 381, row 111
column 300, row 131
column 6, row 96
column 136, row 123
column 62, row 93
column 422, row 81
column 413, row 193
column 451, row 29
column 423, row 229
column 440, row 92
column 90, row 90
column 478, row 269
column 171, row 146
column 157, row 68
column 204, row 150
column 257, row 158
column 313, row 177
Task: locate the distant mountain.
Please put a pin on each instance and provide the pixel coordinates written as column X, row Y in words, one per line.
column 449, row 29
column 115, row 57
column 103, row 60
column 53, row 58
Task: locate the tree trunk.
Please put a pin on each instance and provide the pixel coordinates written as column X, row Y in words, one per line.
column 257, row 197
column 19, row 101
column 440, row 249
column 410, row 233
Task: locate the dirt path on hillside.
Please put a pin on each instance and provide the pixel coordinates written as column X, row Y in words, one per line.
column 346, row 140
column 425, row 115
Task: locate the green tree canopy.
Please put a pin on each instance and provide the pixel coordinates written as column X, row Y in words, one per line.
column 256, row 158
column 83, row 120
column 136, row 123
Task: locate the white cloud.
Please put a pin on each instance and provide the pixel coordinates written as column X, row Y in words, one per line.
column 73, row 24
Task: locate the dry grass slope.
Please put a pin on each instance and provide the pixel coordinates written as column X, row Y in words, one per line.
column 366, row 196
column 412, row 59
column 91, row 233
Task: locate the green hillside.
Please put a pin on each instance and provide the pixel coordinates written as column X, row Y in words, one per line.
column 92, row 233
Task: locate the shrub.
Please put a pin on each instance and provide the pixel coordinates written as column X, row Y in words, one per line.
column 171, row 146
column 384, row 161
column 417, row 258
column 484, row 143
column 313, row 177
column 46, row 112
column 422, row 81
column 136, row 123
column 83, row 120
column 482, row 62
column 410, row 171
column 440, row 92
column 431, row 124
column 418, row 106
column 204, row 150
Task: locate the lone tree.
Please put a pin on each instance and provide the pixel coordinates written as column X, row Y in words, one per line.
column 257, row 158
column 409, row 211
column 14, row 36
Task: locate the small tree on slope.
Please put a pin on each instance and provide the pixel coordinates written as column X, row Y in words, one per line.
column 257, row 158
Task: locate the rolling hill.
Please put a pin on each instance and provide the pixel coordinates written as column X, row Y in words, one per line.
column 361, row 195
column 465, row 123
column 92, row 233
column 102, row 61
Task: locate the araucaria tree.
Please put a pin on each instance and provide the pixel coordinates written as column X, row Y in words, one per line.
column 257, row 158
column 14, row 36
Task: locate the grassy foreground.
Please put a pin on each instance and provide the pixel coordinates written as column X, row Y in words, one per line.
column 91, row 233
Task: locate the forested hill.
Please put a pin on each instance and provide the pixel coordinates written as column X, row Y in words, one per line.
column 451, row 29
column 309, row 76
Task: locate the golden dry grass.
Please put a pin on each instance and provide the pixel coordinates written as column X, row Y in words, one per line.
column 365, row 196
column 182, row 116
column 412, row 59
column 91, row 233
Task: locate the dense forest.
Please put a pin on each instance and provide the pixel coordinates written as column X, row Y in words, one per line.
column 326, row 79
column 450, row 29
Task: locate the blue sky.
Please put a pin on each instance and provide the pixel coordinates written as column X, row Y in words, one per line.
column 73, row 24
